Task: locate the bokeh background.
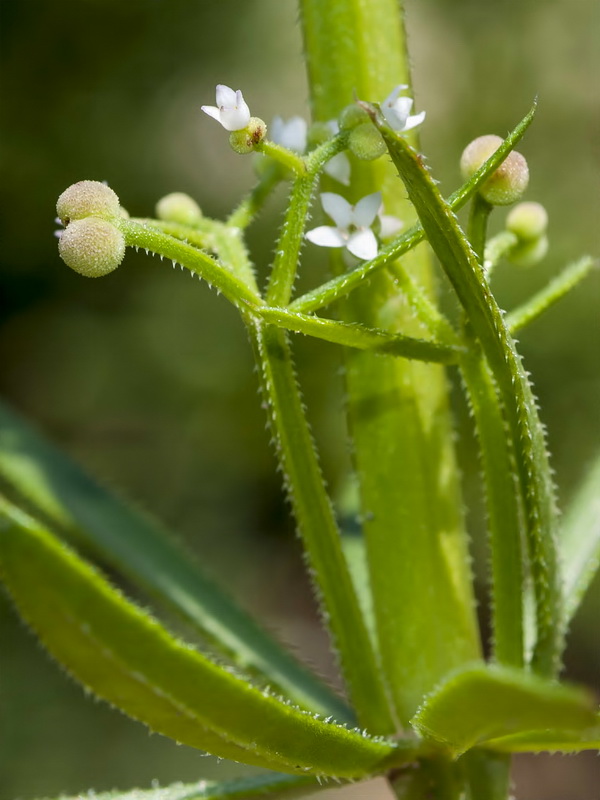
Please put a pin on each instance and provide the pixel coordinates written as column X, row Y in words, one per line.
column 147, row 377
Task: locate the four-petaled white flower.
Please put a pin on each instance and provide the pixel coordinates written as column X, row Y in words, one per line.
column 389, row 226
column 353, row 225
column 291, row 134
column 231, row 110
column 396, row 111
column 338, row 167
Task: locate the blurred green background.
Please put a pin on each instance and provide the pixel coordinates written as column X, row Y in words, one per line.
column 146, row 377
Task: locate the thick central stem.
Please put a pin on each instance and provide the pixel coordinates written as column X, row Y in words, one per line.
column 398, row 415
column 416, row 543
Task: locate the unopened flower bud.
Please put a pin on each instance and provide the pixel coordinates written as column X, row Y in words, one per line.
column 366, row 142
column 352, row 116
column 527, row 221
column 92, row 246
column 245, row 141
column 87, row 199
column 179, row 207
column 529, row 253
column 508, row 182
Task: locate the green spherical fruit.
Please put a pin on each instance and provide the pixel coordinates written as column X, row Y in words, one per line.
column 508, row 182
column 529, row 253
column 245, row 141
column 178, row 207
column 92, row 246
column 87, row 199
column 527, row 221
column 366, row 142
column 352, row 116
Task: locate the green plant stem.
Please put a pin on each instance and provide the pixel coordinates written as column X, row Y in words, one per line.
column 496, row 249
column 550, row 295
column 286, row 158
column 488, row 775
column 362, row 337
column 151, row 239
column 397, row 409
column 254, row 201
column 478, row 221
column 503, row 508
column 318, row 527
column 430, row 778
column 287, row 253
column 223, row 240
column 425, row 310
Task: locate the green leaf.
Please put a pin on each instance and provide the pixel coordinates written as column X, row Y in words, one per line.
column 352, row 334
column 504, row 510
column 259, row 785
column 355, row 552
column 318, row 528
column 580, row 540
column 196, row 261
column 466, row 275
column 549, row 741
column 127, row 658
column 225, row 241
column 136, row 545
column 558, row 288
column 481, row 703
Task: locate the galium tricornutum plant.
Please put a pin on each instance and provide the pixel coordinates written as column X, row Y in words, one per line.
column 422, row 706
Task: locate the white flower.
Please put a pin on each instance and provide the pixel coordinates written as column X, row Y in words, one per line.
column 353, row 225
column 290, row 134
column 338, row 168
column 396, row 111
column 231, row 110
column 389, row 226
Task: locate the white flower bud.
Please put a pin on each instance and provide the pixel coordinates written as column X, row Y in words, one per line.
column 87, row 199
column 245, row 140
column 527, row 221
column 179, row 207
column 92, row 246
column 508, row 182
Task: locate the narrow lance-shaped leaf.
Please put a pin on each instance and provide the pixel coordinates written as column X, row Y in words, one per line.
column 129, row 659
column 139, row 547
column 549, row 741
column 504, row 510
column 283, row 786
column 318, row 528
column 558, row 288
column 361, row 337
column 466, row 275
column 580, row 540
column 481, row 703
